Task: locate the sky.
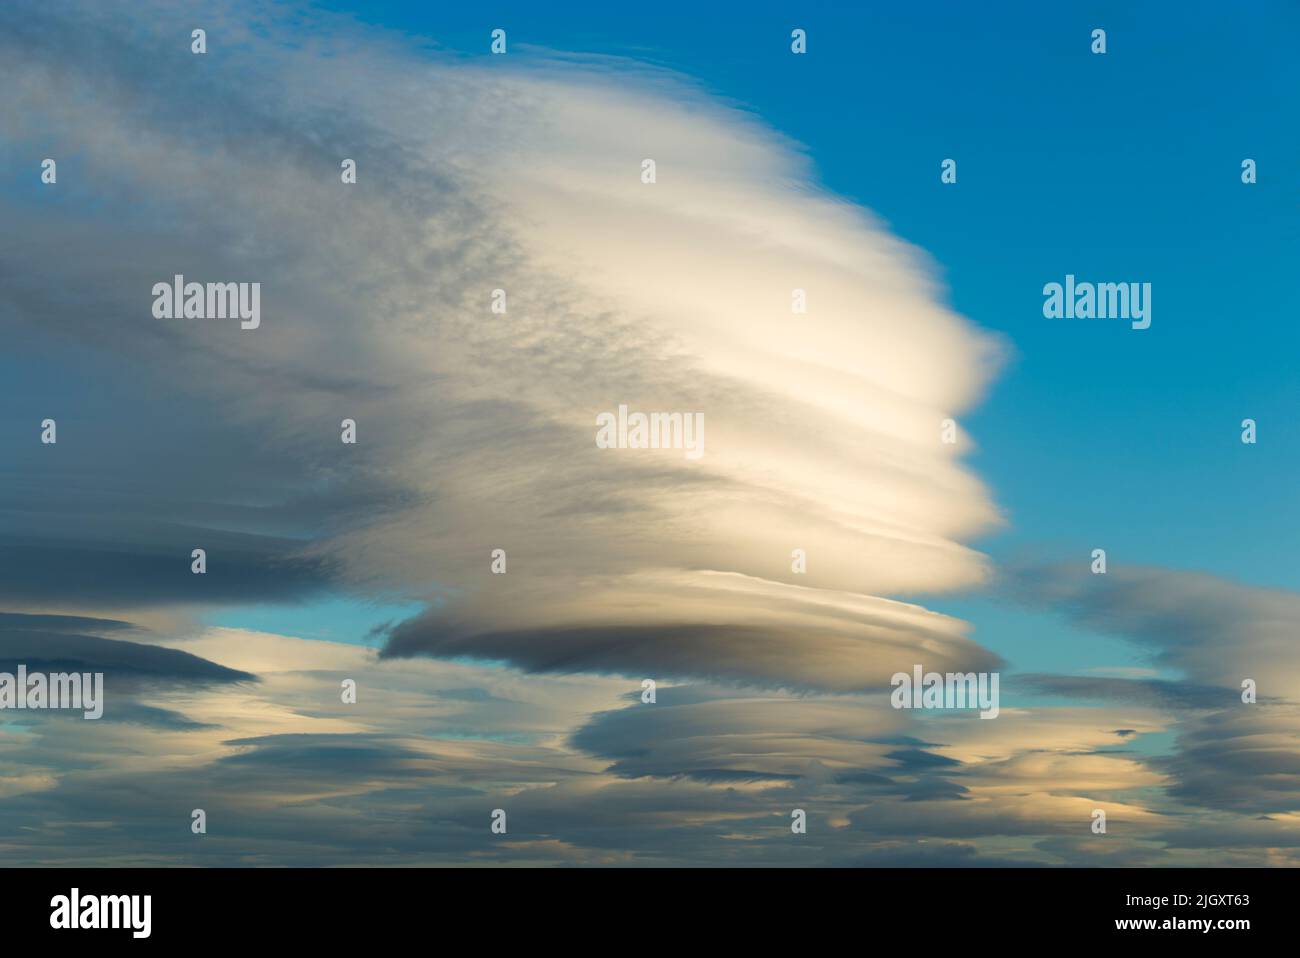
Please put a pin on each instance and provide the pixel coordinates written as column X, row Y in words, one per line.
column 371, row 562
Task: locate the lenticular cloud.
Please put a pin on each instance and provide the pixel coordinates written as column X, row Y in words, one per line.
column 476, row 427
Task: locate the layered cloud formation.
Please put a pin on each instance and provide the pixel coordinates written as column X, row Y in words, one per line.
column 477, row 428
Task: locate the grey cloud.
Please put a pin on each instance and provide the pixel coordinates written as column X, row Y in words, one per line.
column 1229, row 755
column 29, row 622
column 1160, row 693
column 56, row 650
column 1217, row 631
column 153, row 716
column 1244, row 759
column 107, row 574
column 707, row 735
column 807, row 645
column 721, row 652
